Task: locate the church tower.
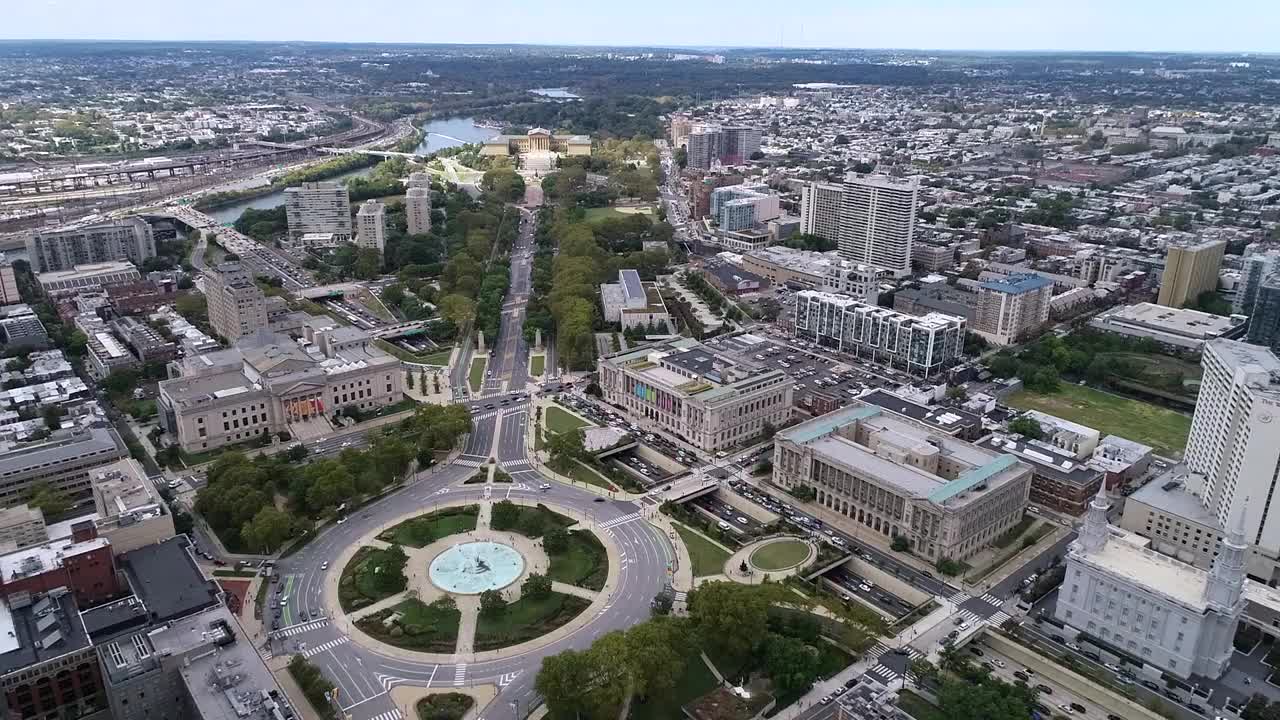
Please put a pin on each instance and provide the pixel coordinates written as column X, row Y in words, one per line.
column 1226, row 578
column 1093, row 534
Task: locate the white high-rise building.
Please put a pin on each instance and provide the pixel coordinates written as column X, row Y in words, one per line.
column 1233, row 452
column 321, row 207
column 873, row 218
column 878, row 221
column 62, row 249
column 372, row 225
column 417, row 208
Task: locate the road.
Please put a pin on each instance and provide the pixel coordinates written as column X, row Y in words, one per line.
column 500, row 416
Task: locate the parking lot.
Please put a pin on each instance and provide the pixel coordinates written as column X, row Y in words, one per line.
column 816, row 369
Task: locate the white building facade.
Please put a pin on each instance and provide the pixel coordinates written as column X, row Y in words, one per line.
column 919, row 345
column 371, row 224
column 320, row 207
column 1171, row 615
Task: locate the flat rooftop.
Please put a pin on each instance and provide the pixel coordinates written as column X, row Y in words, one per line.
column 1191, row 324
column 1168, row 494
column 949, row 420
column 1124, row 557
column 167, row 580
column 1047, row 459
column 53, row 622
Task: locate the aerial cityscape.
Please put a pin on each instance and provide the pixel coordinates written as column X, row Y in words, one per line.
column 504, row 378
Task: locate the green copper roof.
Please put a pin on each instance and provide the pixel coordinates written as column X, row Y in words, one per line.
column 971, row 478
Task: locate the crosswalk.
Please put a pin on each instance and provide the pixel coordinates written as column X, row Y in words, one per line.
column 459, row 674
column 1000, row 618
column 621, row 520
column 388, row 715
column 972, row 617
column 304, row 627
column 323, row 647
column 992, row 599
column 470, row 461
column 516, row 465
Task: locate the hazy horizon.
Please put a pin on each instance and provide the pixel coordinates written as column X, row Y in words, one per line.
column 1233, row 26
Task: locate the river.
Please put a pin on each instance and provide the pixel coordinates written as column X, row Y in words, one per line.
column 464, row 129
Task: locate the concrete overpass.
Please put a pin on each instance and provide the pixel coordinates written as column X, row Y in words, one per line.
column 81, row 178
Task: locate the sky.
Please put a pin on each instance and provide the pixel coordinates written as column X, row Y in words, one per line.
column 1089, row 25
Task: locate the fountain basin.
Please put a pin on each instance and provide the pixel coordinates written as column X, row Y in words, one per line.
column 474, row 567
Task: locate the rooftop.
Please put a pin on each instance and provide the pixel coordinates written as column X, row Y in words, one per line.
column 36, row 629
column 1180, row 321
column 1048, row 460
column 64, row 447
column 1168, row 493
column 165, row 577
column 102, row 268
column 1126, row 556
column 949, row 420
column 1018, row 283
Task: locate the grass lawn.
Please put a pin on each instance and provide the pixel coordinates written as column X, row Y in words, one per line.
column 584, row 564
column 558, row 420
column 531, row 521
column 356, row 587
column 919, row 708
column 695, row 681
column 587, row 475
column 607, row 213
column 444, row 706
column 780, row 555
column 1163, row 429
column 708, row 559
column 440, row 358
column 526, row 619
column 477, row 373
column 537, row 364
column 430, row 628
column 426, row 529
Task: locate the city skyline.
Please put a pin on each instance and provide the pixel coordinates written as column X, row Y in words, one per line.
column 990, row 25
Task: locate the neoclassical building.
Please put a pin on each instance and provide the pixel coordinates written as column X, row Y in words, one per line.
column 896, row 476
column 268, row 381
column 537, row 140
column 1168, row 614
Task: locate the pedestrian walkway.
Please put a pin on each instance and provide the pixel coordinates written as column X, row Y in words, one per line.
column 629, row 517
column 304, row 627
column 474, row 461
column 324, row 647
column 459, row 674
column 388, row 715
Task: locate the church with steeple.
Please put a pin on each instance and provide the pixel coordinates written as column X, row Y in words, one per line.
column 1122, row 595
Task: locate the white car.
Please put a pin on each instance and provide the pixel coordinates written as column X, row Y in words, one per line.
column 864, row 587
column 544, row 486
column 324, row 565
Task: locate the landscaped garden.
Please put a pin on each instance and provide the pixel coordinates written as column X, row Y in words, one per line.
column 371, row 575
column 526, row 619
column 707, row 557
column 577, row 558
column 559, row 420
column 425, row 529
column 415, row 625
column 780, row 555
column 531, row 521
column 537, row 365
column 476, row 376
column 444, row 706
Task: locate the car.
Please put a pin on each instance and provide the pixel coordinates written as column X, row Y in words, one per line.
column 825, row 699
column 1066, row 708
column 845, row 597
column 1044, row 689
column 741, row 520
column 1111, row 667
column 837, row 541
column 324, row 565
column 1073, row 646
column 1021, row 676
column 1028, row 671
column 342, row 519
column 957, row 620
column 1079, row 708
column 976, row 650
column 722, row 525
column 999, row 663
column 175, row 484
column 864, row 587
column 544, row 486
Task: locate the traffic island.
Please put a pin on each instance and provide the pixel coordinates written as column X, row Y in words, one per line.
column 773, row 559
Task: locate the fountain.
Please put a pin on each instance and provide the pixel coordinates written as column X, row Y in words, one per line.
column 474, row 567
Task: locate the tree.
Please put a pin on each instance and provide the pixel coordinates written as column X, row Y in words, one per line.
column 491, row 603
column 368, row 263
column 457, row 309
column 555, row 540
column 267, row 530
column 654, row 655
column 505, row 515
column 297, row 453
column 1027, row 427
column 957, row 392
column 791, row 664
column 51, row 501
column 389, row 571
column 662, row 604
column 729, row 616
column 566, row 447
column 535, row 587
column 565, row 681
column 900, row 543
